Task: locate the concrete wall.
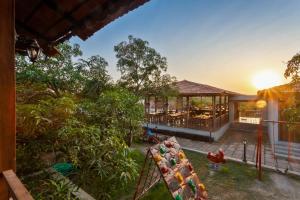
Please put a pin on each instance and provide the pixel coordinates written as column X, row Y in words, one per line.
column 216, row 135
column 219, row 133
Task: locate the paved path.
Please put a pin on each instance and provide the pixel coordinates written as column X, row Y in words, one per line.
column 232, row 144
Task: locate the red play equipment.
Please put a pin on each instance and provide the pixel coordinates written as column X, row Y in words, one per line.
column 285, row 164
column 216, row 157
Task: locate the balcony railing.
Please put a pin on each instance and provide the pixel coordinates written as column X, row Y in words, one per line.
column 182, row 120
column 17, row 190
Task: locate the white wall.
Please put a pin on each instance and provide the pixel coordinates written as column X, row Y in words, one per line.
column 273, row 111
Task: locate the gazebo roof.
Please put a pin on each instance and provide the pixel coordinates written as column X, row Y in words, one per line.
column 189, row 88
column 53, row 21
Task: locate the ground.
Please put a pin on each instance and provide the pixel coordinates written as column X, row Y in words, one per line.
column 232, row 181
column 232, row 144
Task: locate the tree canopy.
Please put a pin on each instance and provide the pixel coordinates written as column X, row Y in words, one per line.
column 143, row 69
column 293, row 69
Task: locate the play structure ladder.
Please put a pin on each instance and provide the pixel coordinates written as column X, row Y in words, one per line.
column 149, row 176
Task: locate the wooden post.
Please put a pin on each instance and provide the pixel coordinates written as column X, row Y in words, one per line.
column 8, row 92
column 167, row 105
column 220, row 110
column 188, row 110
column 214, row 111
column 155, row 104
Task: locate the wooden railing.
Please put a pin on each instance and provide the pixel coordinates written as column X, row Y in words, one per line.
column 184, row 121
column 17, row 190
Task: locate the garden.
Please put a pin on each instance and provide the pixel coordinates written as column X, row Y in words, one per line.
column 71, row 112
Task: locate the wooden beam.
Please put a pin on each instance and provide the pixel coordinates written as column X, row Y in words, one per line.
column 8, row 92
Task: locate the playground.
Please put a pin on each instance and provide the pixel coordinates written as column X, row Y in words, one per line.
column 232, row 181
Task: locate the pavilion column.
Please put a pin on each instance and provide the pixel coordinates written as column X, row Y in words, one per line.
column 8, row 92
column 148, row 103
column 188, row 110
column 214, row 111
column 145, row 104
column 166, row 105
column 227, row 107
column 220, row 110
column 155, row 104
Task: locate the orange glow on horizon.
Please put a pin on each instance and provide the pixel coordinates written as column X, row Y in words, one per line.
column 266, row 79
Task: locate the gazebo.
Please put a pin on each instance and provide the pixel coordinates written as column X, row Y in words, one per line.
column 197, row 106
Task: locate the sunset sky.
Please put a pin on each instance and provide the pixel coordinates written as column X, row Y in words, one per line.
column 224, row 43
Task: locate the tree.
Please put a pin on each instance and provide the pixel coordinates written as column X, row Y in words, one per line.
column 61, row 74
column 95, row 75
column 141, row 66
column 57, row 73
column 292, row 71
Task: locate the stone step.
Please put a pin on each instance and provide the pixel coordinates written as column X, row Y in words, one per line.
column 244, row 127
column 292, row 157
column 282, row 150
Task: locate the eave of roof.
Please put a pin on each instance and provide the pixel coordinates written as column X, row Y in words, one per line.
column 189, row 88
column 53, row 21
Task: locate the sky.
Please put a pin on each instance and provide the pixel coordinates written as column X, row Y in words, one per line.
column 224, row 43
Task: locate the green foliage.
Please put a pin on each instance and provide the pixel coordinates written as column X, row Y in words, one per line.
column 44, row 186
column 45, row 116
column 142, row 67
column 98, row 152
column 293, row 68
column 201, row 102
column 61, row 74
column 68, row 107
column 95, row 75
column 58, row 73
column 292, row 111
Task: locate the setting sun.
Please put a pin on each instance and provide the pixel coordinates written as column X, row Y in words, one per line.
column 266, row 79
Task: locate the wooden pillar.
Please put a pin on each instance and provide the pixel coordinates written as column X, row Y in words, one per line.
column 145, row 104
column 149, row 104
column 214, row 111
column 188, row 111
column 188, row 103
column 155, row 104
column 220, row 110
column 8, row 92
column 166, row 105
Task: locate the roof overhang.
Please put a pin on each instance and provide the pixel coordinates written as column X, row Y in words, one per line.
column 51, row 22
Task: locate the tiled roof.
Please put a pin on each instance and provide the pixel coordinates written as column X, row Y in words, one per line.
column 193, row 89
